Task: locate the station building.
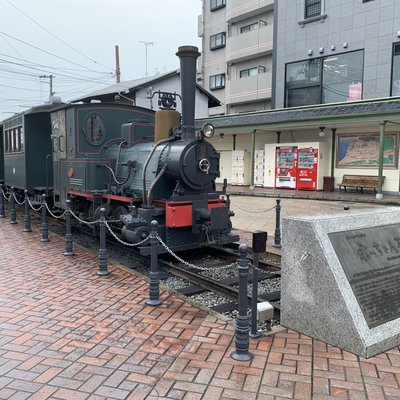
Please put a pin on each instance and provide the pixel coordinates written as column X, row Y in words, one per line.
column 334, row 85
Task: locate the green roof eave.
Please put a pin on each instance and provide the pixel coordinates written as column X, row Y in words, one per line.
column 363, row 111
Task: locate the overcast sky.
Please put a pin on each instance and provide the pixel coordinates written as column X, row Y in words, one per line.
column 75, row 41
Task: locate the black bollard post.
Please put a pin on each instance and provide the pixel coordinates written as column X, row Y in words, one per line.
column 154, row 284
column 103, row 271
column 13, row 212
column 45, row 224
column 2, row 209
column 277, row 242
column 27, row 216
column 69, row 251
column 242, row 320
column 259, row 246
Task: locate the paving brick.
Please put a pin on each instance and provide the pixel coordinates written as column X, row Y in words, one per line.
column 98, row 340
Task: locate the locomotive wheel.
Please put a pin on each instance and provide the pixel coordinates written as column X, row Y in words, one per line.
column 116, row 214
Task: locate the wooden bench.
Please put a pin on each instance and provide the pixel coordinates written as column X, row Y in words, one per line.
column 360, row 182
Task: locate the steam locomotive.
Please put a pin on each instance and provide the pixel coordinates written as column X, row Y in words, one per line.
column 138, row 165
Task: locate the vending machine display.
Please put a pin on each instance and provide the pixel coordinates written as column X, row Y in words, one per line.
column 307, row 167
column 286, row 167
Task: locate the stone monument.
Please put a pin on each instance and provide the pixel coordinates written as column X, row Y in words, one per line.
column 341, row 279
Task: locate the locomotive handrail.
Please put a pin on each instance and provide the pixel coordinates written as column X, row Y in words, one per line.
column 156, row 179
column 147, row 163
column 115, row 178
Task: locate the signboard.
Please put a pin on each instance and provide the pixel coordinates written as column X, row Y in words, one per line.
column 370, row 258
column 355, row 151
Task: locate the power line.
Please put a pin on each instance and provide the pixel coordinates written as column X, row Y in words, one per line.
column 95, row 80
column 56, row 37
column 52, row 67
column 44, row 51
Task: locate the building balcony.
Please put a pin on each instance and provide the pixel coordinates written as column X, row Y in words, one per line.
column 248, row 89
column 249, row 45
column 219, row 110
column 200, row 26
column 239, row 9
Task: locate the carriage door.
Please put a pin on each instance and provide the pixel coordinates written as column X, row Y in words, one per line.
column 59, row 144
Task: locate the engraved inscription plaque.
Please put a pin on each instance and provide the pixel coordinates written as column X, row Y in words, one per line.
column 370, row 258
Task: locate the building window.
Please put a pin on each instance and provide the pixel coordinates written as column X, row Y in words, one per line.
column 252, row 71
column 253, row 26
column 217, row 41
column 216, row 4
column 396, row 70
column 217, row 81
column 336, row 78
column 312, row 8
column 248, row 28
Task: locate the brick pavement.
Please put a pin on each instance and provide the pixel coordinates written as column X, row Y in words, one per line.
column 66, row 333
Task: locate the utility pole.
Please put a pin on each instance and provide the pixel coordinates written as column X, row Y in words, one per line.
column 51, row 83
column 146, row 44
column 117, row 67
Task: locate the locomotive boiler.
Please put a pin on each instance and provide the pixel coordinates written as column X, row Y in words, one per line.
column 153, row 167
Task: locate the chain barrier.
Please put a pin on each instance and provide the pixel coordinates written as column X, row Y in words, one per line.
column 82, row 221
column 189, row 265
column 121, row 241
column 20, row 203
column 33, row 208
column 53, row 215
column 252, row 212
column 5, row 197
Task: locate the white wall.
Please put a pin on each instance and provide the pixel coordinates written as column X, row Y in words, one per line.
column 172, row 84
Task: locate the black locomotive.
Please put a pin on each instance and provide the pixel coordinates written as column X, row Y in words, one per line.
column 139, row 165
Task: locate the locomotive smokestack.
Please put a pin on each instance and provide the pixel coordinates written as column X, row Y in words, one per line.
column 188, row 56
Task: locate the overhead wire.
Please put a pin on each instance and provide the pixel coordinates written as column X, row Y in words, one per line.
column 44, row 51
column 76, row 78
column 56, row 37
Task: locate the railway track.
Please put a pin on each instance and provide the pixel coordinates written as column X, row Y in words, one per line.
column 227, row 287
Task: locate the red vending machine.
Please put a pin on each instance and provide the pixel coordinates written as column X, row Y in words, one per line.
column 285, row 167
column 307, row 168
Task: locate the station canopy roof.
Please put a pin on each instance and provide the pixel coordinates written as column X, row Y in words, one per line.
column 364, row 113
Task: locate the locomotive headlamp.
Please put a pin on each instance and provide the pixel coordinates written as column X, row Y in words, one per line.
column 208, row 130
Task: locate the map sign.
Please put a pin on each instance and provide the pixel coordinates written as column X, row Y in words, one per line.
column 363, row 150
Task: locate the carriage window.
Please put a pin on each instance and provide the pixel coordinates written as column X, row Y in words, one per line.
column 21, row 138
column 94, row 129
column 6, row 142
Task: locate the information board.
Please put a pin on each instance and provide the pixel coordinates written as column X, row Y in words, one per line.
column 370, row 258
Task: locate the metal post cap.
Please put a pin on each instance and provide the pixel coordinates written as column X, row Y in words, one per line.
column 243, row 249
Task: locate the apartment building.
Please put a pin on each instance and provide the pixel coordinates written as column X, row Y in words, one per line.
column 336, row 93
column 330, row 51
column 236, row 61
